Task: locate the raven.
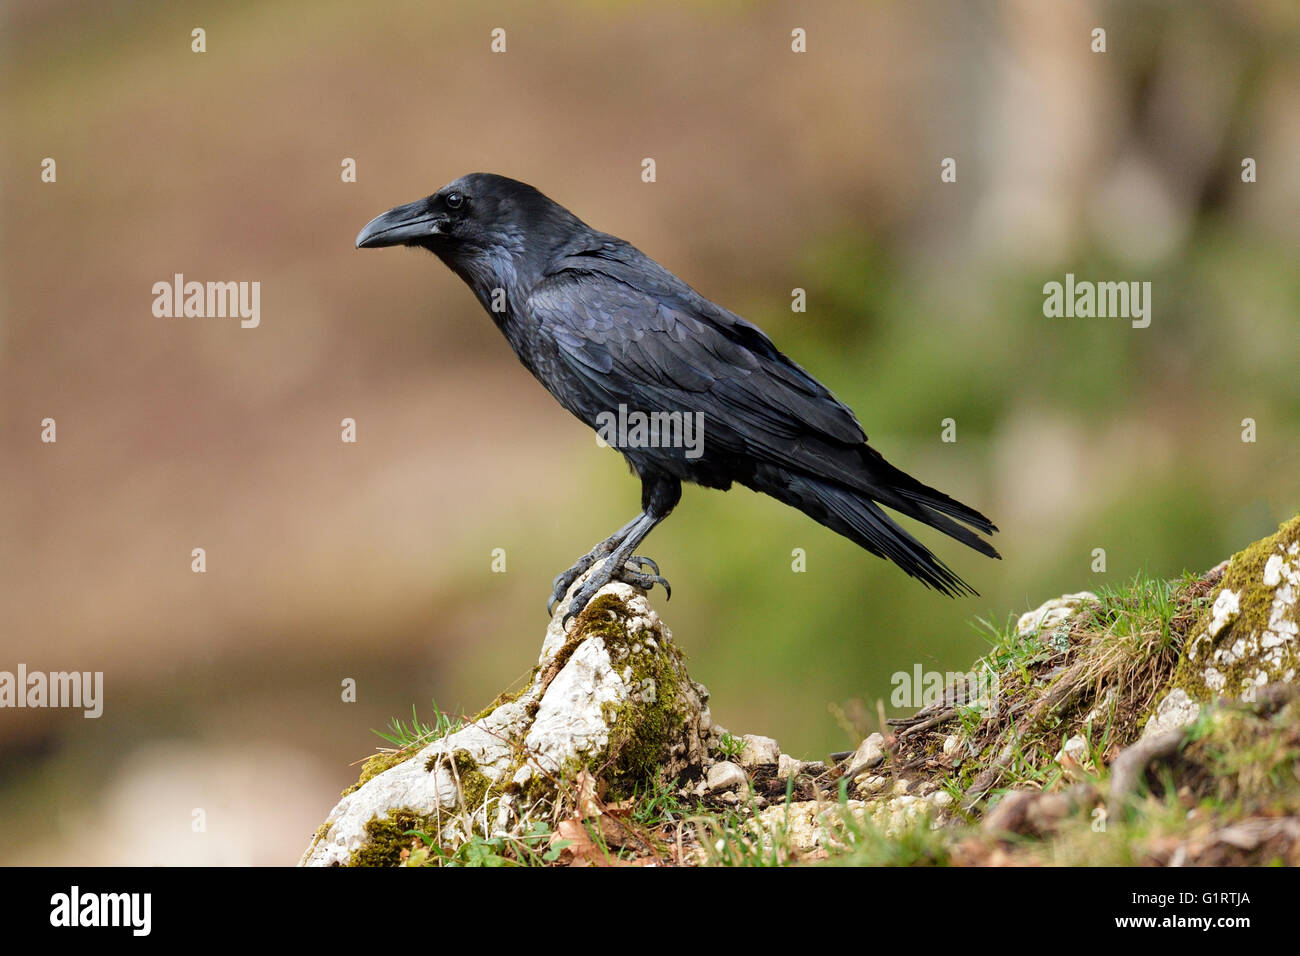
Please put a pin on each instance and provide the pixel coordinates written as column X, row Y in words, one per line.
column 605, row 329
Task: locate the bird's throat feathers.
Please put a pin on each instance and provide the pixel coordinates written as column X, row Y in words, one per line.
column 495, row 273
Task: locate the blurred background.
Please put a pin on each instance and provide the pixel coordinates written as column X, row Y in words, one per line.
column 775, row 170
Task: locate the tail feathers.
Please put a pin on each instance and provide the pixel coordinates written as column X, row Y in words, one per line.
column 854, row 515
column 938, row 501
column 886, row 482
column 857, row 515
column 931, row 507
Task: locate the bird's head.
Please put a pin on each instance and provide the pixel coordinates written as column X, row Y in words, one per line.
column 478, row 216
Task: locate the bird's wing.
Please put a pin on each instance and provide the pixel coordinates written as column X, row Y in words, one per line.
column 659, row 350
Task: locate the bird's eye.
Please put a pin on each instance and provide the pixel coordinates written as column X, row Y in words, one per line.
column 455, row 200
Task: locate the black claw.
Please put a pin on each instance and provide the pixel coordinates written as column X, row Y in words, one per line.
column 560, row 586
column 644, row 562
column 645, row 582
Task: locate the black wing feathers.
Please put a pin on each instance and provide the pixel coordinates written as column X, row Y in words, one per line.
column 633, row 332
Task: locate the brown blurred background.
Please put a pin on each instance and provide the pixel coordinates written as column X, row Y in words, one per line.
column 775, row 170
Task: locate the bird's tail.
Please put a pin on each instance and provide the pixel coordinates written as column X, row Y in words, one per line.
column 856, row 515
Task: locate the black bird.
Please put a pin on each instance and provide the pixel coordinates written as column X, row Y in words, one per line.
column 607, row 330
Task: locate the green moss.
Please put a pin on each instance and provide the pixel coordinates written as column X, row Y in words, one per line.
column 604, row 617
column 537, row 788
column 642, row 732
column 643, row 727
column 322, row 832
column 473, row 783
column 386, row 838
column 1252, row 759
column 1244, row 578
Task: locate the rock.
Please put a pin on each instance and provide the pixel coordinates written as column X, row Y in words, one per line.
column 900, row 812
column 1224, row 609
column 725, row 775
column 611, row 707
column 1054, row 612
column 1074, row 750
column 610, row 694
column 807, row 824
column 870, row 753
column 872, row 784
column 1250, row 634
column 787, row 767
column 1248, row 637
column 1176, row 710
column 758, row 751
column 803, row 824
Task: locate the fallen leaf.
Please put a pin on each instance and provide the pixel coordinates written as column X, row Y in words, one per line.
column 586, row 802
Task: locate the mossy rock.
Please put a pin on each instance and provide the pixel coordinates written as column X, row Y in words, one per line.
column 610, row 699
column 1249, row 636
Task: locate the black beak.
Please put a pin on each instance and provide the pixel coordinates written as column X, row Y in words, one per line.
column 405, row 225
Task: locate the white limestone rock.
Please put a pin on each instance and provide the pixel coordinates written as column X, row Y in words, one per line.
column 1053, row 613
column 600, row 684
column 725, row 775
column 758, row 751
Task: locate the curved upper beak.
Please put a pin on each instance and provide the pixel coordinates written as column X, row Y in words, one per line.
column 400, row 226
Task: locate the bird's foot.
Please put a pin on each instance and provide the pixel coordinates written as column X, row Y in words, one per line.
column 564, row 580
column 628, row 573
column 560, row 586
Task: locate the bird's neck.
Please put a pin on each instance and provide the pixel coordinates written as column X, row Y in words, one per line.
column 500, row 280
column 490, row 273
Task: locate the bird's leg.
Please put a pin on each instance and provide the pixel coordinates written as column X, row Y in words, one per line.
column 615, row 568
column 658, row 497
column 560, row 586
